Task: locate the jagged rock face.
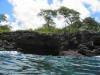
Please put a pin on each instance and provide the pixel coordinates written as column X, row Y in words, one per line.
column 45, row 44
column 30, row 42
column 97, row 41
column 81, row 43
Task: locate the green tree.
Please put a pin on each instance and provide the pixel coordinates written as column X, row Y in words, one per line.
column 91, row 24
column 70, row 15
column 4, row 28
column 76, row 26
column 48, row 15
column 2, row 17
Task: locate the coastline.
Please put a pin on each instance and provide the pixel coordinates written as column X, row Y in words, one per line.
column 80, row 43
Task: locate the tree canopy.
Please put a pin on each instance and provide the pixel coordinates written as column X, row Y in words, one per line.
column 72, row 20
column 91, row 24
column 70, row 15
column 48, row 15
column 2, row 17
column 4, row 28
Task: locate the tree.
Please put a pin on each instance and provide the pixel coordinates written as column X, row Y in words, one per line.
column 48, row 15
column 2, row 17
column 77, row 25
column 72, row 20
column 91, row 24
column 3, row 27
column 70, row 15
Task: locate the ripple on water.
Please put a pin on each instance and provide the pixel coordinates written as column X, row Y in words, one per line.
column 27, row 64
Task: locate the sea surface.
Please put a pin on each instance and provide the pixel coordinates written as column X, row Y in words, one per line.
column 13, row 63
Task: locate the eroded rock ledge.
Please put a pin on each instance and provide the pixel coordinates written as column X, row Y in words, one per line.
column 75, row 44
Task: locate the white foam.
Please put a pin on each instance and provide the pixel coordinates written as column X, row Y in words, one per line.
column 8, row 52
column 96, row 56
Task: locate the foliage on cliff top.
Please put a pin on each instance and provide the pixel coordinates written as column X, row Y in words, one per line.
column 72, row 21
column 4, row 28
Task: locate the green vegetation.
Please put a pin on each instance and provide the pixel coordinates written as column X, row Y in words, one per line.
column 91, row 24
column 4, row 28
column 2, row 17
column 48, row 14
column 70, row 15
column 72, row 21
column 51, row 30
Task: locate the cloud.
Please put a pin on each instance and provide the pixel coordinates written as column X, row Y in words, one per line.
column 26, row 11
column 7, row 16
column 14, row 26
column 94, row 5
column 78, row 6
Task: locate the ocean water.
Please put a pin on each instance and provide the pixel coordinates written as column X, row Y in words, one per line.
column 13, row 63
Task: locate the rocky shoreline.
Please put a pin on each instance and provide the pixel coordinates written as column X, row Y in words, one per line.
column 80, row 43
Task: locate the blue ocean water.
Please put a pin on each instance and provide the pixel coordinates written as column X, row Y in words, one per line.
column 13, row 63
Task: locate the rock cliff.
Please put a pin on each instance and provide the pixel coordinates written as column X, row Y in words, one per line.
column 80, row 43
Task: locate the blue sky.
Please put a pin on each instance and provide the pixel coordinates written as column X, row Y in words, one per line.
column 8, row 7
column 51, row 1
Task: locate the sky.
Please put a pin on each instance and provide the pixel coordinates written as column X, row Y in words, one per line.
column 23, row 14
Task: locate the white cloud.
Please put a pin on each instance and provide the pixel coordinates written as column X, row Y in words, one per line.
column 26, row 11
column 59, row 21
column 78, row 6
column 94, row 5
column 8, row 17
column 13, row 24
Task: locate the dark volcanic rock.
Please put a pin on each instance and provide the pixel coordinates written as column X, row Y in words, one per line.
column 45, row 44
column 70, row 53
column 80, row 43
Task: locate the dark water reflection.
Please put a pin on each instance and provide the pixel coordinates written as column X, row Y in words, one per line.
column 23, row 64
